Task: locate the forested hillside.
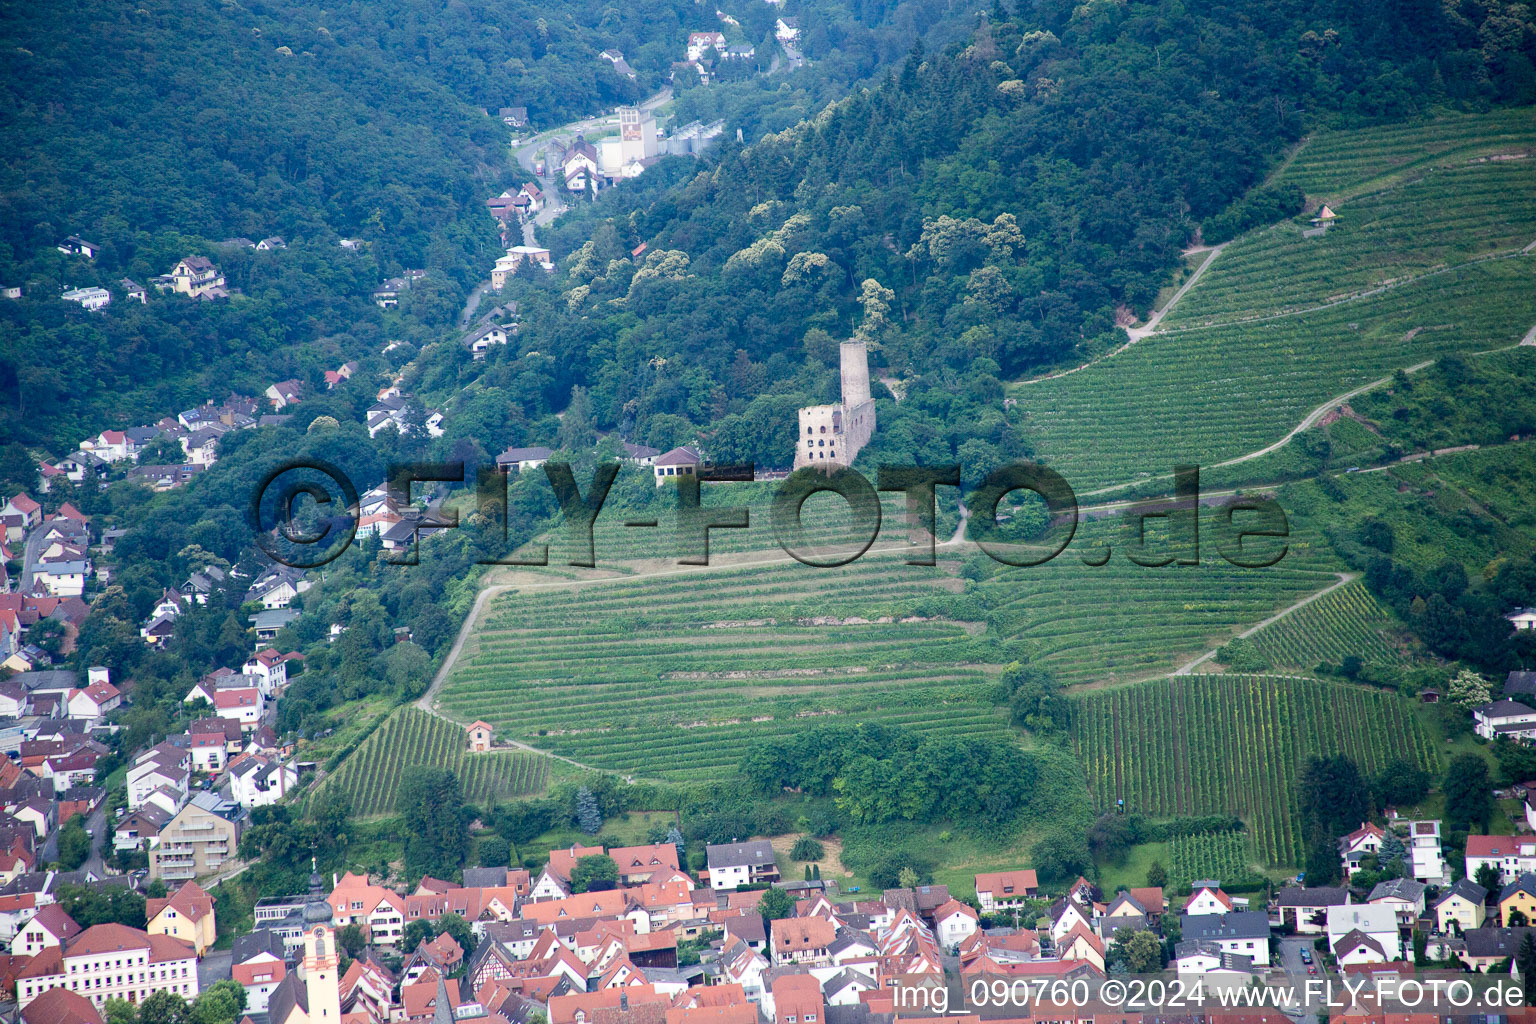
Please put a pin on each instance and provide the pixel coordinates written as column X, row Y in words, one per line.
column 982, row 211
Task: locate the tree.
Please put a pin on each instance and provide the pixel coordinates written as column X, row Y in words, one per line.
column 675, row 837
column 459, row 930
column 594, row 873
column 351, row 939
column 1468, row 795
column 806, row 848
column 588, row 818
column 1467, row 690
column 495, row 852
column 220, row 1003
column 417, row 932
column 74, row 844
column 1488, row 877
column 1140, row 951
column 1061, row 854
column 1157, row 875
column 907, row 878
column 1392, row 857
column 1400, row 783
column 776, row 904
column 1525, row 960
column 436, row 836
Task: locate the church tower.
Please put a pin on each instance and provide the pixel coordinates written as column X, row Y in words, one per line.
column 321, row 959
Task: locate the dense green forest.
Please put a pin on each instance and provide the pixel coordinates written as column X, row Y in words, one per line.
column 978, row 212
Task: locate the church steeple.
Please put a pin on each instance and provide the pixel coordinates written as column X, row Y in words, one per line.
column 322, row 983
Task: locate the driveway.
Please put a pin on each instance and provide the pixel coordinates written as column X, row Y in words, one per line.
column 214, row 966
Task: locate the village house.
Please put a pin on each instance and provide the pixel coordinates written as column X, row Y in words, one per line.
column 1244, row 932
column 515, row 460
column 1363, row 842
column 92, row 298
column 480, row 340
column 683, row 461
column 195, row 277
column 285, row 393
column 700, row 43
column 1404, row 895
column 481, row 736
column 1005, row 890
column 1517, row 902
column 733, row 865
column 198, row 840
column 112, row 961
column 74, row 245
column 1462, row 908
column 1364, row 933
column 1306, row 910
column 1512, row 856
column 187, row 915
column 786, row 30
column 508, row 264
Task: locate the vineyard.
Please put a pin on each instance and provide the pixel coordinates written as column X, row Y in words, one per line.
column 1347, row 621
column 1203, row 744
column 646, row 677
column 1333, row 163
column 413, row 738
column 1451, row 216
column 1204, row 395
column 1222, row 856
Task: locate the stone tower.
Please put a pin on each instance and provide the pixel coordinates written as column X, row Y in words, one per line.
column 831, row 435
column 855, row 361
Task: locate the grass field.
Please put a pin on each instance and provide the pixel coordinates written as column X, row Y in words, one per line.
column 410, row 738
column 1203, row 744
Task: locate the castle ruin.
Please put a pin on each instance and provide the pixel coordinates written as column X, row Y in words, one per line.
column 832, row 435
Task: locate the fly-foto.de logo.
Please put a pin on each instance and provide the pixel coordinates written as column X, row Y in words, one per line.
column 1250, row 532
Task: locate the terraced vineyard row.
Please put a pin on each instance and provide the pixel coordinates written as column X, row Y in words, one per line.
column 1333, row 161
column 411, row 738
column 1347, row 621
column 1206, row 395
column 1232, row 744
column 1219, row 856
column 643, row 677
column 1123, row 621
column 826, row 520
column 1450, row 216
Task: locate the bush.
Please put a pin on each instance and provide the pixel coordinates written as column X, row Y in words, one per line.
column 806, row 848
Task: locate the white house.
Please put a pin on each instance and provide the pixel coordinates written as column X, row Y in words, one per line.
column 515, row 460
column 1425, row 852
column 270, row 671
column 1505, row 718
column 955, row 922
column 1004, row 890
column 93, row 702
column 256, row 781
column 786, row 30
column 1363, row 842
column 1243, row 932
column 209, row 752
column 1522, row 618
column 64, row 578
column 1364, row 933
column 733, row 865
column 49, row 928
column 91, row 298
column 1512, row 856
column 161, row 766
column 1404, row 895
column 74, row 245
column 113, row 961
column 684, row 461
column 480, row 340
column 1207, row 898
column 243, row 704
